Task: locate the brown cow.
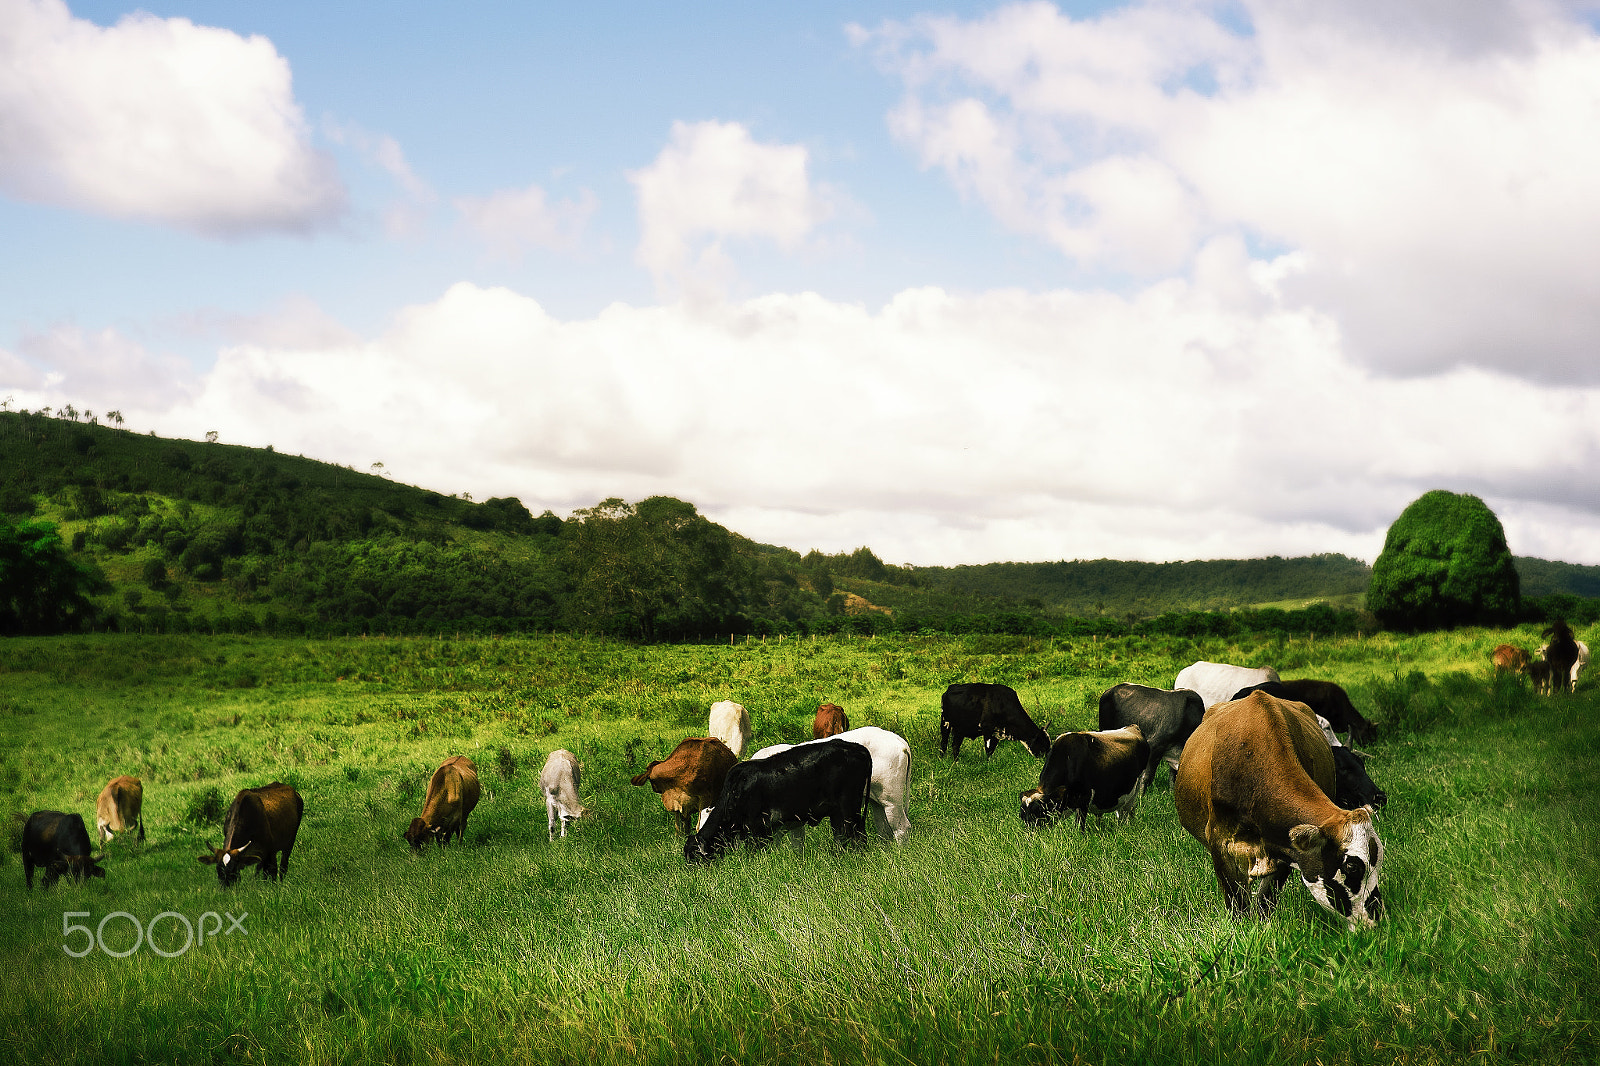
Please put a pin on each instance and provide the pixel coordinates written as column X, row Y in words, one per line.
column 118, row 807
column 691, row 778
column 831, row 720
column 1252, row 786
column 1508, row 658
column 266, row 820
column 452, row 793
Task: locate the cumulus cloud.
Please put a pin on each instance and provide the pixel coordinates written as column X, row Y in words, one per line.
column 1432, row 163
column 713, row 182
column 1193, row 418
column 156, row 119
column 511, row 221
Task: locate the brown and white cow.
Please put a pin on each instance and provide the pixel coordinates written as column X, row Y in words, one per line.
column 691, row 778
column 260, row 826
column 452, row 793
column 118, row 807
column 1253, row 786
column 830, row 721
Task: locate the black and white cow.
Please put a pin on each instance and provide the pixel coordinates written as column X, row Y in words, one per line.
column 788, row 790
column 993, row 712
column 60, row 844
column 1091, row 773
column 1166, row 717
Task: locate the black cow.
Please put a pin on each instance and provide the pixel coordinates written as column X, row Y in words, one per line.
column 1090, row 773
column 993, row 712
column 1352, row 787
column 1326, row 700
column 1562, row 654
column 1167, row 717
column 261, row 823
column 789, row 790
column 59, row 843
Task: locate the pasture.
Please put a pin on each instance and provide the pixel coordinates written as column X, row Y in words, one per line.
column 976, row 941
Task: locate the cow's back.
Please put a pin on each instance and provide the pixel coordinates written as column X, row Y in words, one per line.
column 1217, row 682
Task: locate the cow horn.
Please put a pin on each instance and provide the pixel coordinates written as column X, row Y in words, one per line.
column 1362, row 754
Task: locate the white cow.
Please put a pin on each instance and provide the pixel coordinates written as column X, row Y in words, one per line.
column 1217, row 682
column 1577, row 664
column 559, row 780
column 730, row 723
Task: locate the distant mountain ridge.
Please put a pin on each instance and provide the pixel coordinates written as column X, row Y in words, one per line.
column 212, row 530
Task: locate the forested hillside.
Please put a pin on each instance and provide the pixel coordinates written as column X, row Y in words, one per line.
column 163, row 535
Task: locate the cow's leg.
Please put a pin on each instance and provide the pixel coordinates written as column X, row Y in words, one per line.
column 955, row 745
column 1271, row 886
column 283, row 862
column 269, row 866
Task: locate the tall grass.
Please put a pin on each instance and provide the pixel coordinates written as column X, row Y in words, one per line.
column 977, row 940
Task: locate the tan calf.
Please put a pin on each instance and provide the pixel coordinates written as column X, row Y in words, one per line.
column 118, row 808
column 452, row 793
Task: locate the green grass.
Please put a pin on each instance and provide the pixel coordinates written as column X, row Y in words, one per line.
column 978, row 940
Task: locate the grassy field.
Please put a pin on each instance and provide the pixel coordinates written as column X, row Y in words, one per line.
column 976, row 941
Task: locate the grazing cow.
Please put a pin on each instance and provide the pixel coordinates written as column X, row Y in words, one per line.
column 1252, row 787
column 452, row 793
column 1217, row 682
column 1165, row 717
column 1352, row 786
column 831, row 721
column 60, row 844
column 1577, row 664
column 691, row 778
column 1541, row 675
column 1090, row 772
column 118, row 807
column 890, row 787
column 559, row 779
column 261, row 823
column 730, row 723
column 789, row 790
column 1507, row 658
column 1562, row 655
column 993, row 712
column 1327, row 701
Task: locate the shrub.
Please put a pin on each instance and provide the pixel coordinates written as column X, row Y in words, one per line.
column 205, row 807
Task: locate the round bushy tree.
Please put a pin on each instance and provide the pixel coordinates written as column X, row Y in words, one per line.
column 1445, row 563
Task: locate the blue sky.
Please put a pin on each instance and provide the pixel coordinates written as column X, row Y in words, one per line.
column 1160, row 280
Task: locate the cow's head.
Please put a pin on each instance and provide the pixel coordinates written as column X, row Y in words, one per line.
column 1342, row 874
column 79, row 867
column 228, row 861
column 1036, row 808
column 1353, row 786
column 701, row 848
column 420, row 832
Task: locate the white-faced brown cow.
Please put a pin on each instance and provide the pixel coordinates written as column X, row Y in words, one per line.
column 452, row 793
column 691, row 778
column 830, row 721
column 1253, row 787
column 119, row 807
column 559, row 781
column 730, row 723
column 261, row 825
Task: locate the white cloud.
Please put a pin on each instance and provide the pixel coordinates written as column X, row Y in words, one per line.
column 712, row 182
column 510, row 221
column 1433, row 163
column 156, row 119
column 1191, row 419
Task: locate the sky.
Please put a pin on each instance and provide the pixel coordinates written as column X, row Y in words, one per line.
column 1162, row 280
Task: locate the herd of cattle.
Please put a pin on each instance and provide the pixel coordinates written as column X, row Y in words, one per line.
column 1260, row 776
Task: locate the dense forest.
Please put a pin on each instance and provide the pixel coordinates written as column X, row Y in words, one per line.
column 105, row 528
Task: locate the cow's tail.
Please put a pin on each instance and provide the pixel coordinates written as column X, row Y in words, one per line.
column 141, row 828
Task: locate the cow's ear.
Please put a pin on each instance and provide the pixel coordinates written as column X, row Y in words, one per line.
column 209, row 860
column 1306, row 837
